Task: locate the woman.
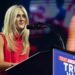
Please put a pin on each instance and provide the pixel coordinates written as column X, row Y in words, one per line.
column 14, row 43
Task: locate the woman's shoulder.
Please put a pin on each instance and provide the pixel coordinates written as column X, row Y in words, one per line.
column 1, row 33
column 1, row 37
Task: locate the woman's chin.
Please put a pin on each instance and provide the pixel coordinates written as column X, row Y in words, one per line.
column 21, row 27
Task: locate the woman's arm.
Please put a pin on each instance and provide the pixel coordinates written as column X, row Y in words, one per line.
column 3, row 64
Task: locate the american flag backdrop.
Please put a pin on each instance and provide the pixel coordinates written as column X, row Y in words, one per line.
column 58, row 11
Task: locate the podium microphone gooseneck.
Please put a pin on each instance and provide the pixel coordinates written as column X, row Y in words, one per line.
column 46, row 25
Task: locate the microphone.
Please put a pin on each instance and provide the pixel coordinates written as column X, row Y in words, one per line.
column 37, row 26
column 47, row 25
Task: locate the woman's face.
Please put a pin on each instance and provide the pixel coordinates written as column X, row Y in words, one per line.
column 20, row 20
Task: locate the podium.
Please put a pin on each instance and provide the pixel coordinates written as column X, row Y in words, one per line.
column 53, row 62
column 37, row 64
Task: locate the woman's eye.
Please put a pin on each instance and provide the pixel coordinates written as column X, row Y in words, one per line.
column 23, row 16
column 18, row 15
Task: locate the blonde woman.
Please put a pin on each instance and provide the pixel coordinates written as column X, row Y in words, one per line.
column 14, row 42
column 71, row 36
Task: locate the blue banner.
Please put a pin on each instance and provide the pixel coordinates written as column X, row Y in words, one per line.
column 63, row 63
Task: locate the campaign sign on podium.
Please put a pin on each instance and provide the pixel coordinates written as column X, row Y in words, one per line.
column 63, row 63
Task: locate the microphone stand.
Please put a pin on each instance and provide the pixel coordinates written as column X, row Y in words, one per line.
column 47, row 25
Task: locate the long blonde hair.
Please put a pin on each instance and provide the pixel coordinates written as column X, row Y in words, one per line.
column 9, row 29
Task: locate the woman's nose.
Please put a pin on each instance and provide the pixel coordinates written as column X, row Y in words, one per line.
column 21, row 18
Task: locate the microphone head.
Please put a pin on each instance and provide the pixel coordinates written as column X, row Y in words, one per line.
column 30, row 27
